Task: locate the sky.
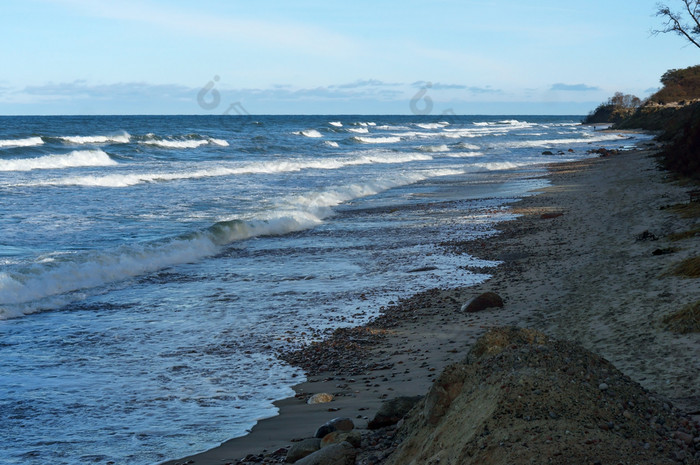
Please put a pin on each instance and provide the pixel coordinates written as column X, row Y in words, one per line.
column 321, row 57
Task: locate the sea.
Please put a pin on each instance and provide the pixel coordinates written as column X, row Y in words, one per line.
column 152, row 267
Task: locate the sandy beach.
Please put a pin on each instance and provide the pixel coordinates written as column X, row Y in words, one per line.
column 588, row 260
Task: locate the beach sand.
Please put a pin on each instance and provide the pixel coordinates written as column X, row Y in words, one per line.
column 576, row 265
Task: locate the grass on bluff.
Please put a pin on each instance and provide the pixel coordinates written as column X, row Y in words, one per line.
column 688, row 268
column 684, row 321
column 687, row 210
column 695, row 232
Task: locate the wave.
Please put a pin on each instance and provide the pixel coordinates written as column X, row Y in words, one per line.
column 498, row 166
column 309, row 133
column 77, row 158
column 377, row 140
column 124, row 138
column 26, row 142
column 464, row 154
column 191, row 142
column 434, row 148
column 49, row 285
column 337, row 124
column 432, row 125
column 331, row 143
column 465, row 146
column 175, row 144
column 550, row 142
column 360, row 130
column 219, row 142
column 270, row 167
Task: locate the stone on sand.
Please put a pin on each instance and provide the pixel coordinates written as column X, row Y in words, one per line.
column 482, row 302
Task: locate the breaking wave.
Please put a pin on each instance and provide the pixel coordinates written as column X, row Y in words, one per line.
column 549, row 142
column 55, row 283
column 77, row 158
column 268, row 167
column 377, row 140
column 124, row 138
column 309, row 133
column 27, row 142
column 434, row 148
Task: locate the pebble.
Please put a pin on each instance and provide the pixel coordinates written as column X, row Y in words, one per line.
column 603, row 386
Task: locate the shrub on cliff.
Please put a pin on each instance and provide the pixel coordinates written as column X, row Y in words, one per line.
column 616, row 109
column 679, row 85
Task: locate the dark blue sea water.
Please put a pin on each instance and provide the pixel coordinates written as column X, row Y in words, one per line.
column 151, row 266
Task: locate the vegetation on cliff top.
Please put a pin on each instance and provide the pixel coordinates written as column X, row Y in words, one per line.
column 673, row 111
column 615, row 110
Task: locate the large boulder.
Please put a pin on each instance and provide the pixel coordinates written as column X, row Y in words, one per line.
column 336, row 424
column 301, row 449
column 392, row 411
column 336, row 437
column 482, row 302
column 336, row 454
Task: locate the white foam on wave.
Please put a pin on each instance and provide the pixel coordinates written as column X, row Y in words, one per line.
column 123, row 138
column 466, row 146
column 77, row 158
column 337, row 124
column 268, row 167
column 219, row 142
column 434, row 148
column 377, row 140
column 465, row 154
column 331, row 143
column 26, row 142
column 48, row 285
column 550, row 142
column 359, row 130
column 175, row 144
column 501, row 165
column 432, row 125
column 309, row 133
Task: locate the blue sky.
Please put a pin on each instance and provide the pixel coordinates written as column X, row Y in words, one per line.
column 312, row 56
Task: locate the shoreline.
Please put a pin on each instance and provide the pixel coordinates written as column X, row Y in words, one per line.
column 559, row 257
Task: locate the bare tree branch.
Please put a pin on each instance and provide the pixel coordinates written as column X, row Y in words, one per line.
column 675, row 22
column 692, row 11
